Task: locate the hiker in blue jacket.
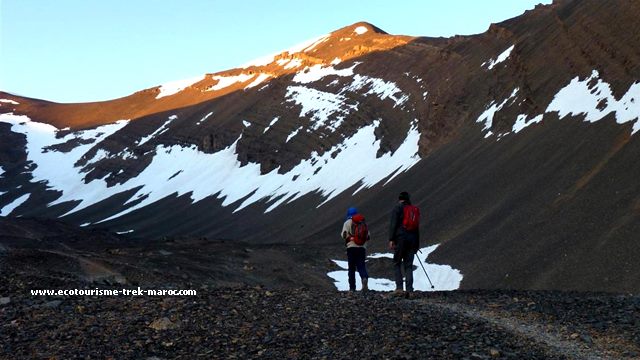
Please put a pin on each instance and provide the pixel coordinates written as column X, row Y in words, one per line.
column 355, row 235
column 404, row 239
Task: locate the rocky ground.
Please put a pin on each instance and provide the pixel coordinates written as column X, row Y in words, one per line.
column 256, row 322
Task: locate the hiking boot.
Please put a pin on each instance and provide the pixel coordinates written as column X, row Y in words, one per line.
column 365, row 284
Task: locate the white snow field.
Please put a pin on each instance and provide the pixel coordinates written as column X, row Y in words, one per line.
column 176, row 170
column 443, row 277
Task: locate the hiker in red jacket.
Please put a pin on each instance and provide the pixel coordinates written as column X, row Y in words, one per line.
column 404, row 239
column 355, row 234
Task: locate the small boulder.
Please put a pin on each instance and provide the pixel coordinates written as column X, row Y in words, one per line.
column 52, row 304
column 163, row 324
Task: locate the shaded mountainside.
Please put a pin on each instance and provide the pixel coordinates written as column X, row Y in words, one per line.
column 519, row 144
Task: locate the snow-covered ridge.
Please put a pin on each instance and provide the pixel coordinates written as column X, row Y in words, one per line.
column 176, row 170
column 443, row 277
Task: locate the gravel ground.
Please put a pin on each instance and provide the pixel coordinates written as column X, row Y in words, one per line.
column 255, row 322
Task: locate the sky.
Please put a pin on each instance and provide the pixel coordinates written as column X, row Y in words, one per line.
column 84, row 50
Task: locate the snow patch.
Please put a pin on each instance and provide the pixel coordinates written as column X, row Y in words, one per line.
column 360, row 30
column 204, row 118
column 7, row 209
column 317, row 72
column 293, row 63
column 322, row 39
column 159, row 131
column 246, row 123
column 384, row 89
column 126, row 154
column 294, row 133
column 336, row 61
column 443, row 277
column 273, row 122
column 258, row 80
column 282, row 62
column 593, row 98
column 492, row 109
column 8, row 101
column 124, row 232
column 226, row 81
column 522, row 122
column 99, row 155
column 174, row 87
column 325, row 108
column 502, row 57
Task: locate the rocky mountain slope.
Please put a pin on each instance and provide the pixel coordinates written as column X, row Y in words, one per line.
column 519, row 144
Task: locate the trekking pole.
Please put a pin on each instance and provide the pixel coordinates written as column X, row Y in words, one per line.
column 425, row 271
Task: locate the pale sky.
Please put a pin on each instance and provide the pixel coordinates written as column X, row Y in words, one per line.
column 83, row 50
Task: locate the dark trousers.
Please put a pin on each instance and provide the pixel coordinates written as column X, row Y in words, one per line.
column 356, row 257
column 403, row 259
